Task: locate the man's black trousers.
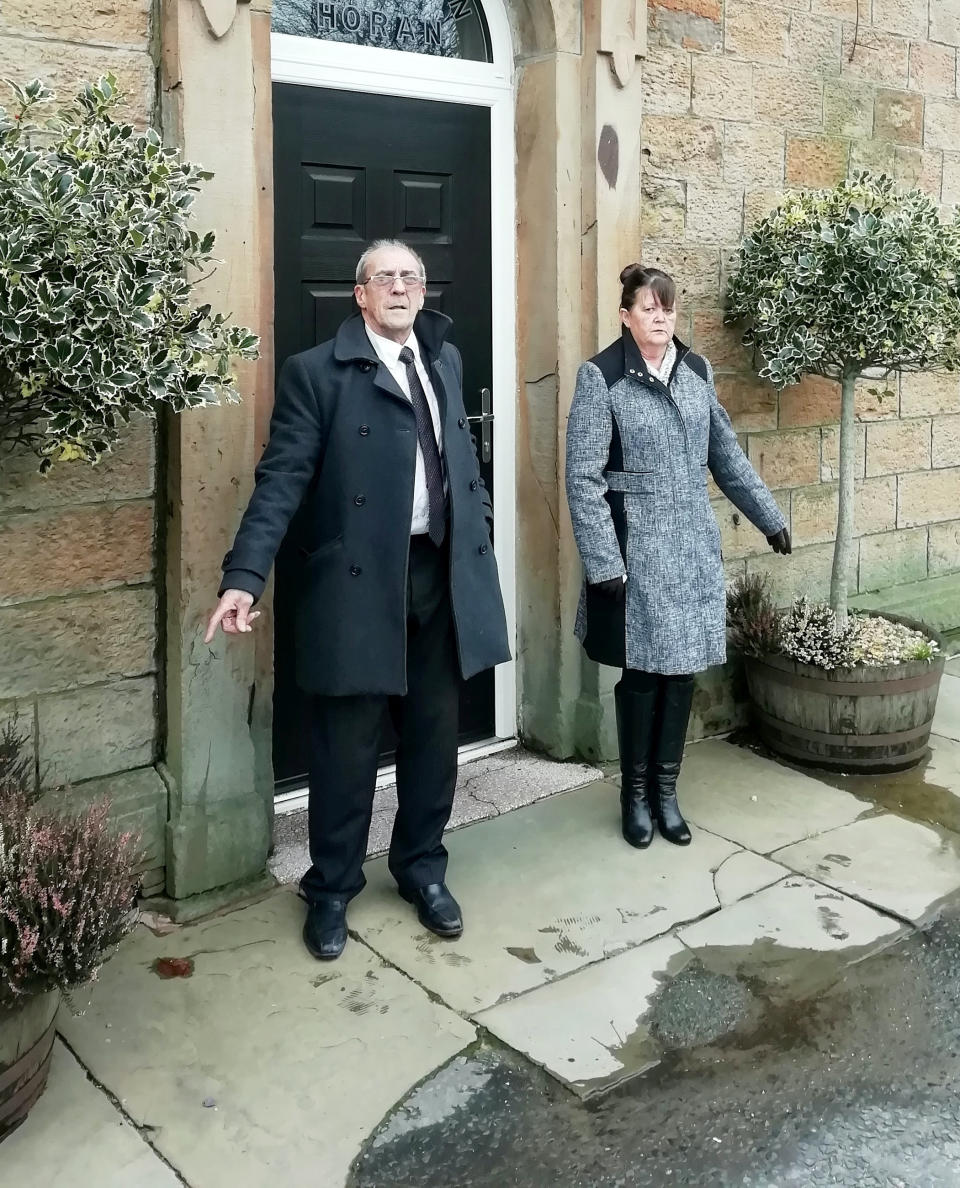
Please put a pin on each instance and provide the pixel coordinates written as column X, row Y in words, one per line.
column 346, row 741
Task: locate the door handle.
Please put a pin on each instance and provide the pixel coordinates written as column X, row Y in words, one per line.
column 485, row 421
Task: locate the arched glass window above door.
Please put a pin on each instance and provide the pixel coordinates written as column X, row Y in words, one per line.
column 444, row 28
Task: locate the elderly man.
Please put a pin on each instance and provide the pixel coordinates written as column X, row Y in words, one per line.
column 399, row 594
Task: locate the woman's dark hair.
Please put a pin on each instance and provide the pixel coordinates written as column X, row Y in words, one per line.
column 634, row 278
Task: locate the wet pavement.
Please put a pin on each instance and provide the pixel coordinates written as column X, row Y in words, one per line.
column 857, row 1084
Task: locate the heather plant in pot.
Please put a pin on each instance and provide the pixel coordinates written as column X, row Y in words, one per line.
column 862, row 280
column 67, row 886
column 98, row 262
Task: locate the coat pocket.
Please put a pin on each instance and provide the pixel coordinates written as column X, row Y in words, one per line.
column 606, row 637
column 323, row 550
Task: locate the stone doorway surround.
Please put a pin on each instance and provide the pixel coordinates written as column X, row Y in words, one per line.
column 578, row 113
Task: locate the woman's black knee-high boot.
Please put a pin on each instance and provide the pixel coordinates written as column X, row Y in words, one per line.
column 673, row 714
column 635, row 721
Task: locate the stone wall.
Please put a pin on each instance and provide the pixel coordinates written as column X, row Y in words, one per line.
column 742, row 100
column 78, row 604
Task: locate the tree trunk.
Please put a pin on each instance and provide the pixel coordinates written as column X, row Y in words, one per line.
column 844, row 547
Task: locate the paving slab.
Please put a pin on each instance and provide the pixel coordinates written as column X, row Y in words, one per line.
column 264, row 1067
column 793, row 937
column 900, row 866
column 588, row 1029
column 953, row 666
column 486, row 788
column 74, row 1135
column 544, row 891
column 946, row 721
column 744, row 873
column 756, row 802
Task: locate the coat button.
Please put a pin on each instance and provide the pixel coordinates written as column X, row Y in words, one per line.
column 462, row 422
column 474, row 484
column 360, row 500
column 355, row 571
column 364, row 430
column 482, row 550
column 366, row 365
column 227, row 559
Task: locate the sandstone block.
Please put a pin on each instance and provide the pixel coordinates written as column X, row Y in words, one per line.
column 753, row 155
column 933, row 69
column 894, row 447
column 127, row 473
column 898, row 116
column 722, row 84
column 847, row 108
column 945, row 22
column 950, row 193
column 872, row 54
column 714, row 212
column 877, row 399
column 61, row 643
column 892, row 559
column 876, row 156
column 717, row 342
column 682, row 146
column 814, row 510
column 787, row 97
column 817, row 161
column 123, row 23
column 920, row 168
column 672, row 23
column 946, row 441
column 87, row 548
column 751, row 403
column 695, row 269
column 95, row 731
column 944, row 548
column 790, row 459
column 814, row 44
column 830, row 452
column 927, row 393
column 666, row 82
column 905, row 17
column 756, row 32
column 806, row 571
column 814, row 401
column 757, row 204
column 843, row 8
column 663, row 208
column 942, row 124
column 927, row 496
column 738, row 537
column 65, row 68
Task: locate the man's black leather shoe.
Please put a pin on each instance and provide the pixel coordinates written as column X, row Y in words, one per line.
column 436, row 909
column 325, row 928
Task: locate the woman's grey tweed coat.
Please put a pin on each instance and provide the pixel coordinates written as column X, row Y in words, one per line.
column 637, row 459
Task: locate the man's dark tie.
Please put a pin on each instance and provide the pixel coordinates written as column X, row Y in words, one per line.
column 432, row 467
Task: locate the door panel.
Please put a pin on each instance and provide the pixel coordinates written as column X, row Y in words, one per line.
column 350, row 168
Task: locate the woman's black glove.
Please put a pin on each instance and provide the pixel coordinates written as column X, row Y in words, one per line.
column 780, row 541
column 615, row 588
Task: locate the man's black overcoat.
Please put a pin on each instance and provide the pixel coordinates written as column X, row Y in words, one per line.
column 343, row 439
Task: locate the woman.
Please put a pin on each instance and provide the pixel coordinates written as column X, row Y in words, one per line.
column 644, row 428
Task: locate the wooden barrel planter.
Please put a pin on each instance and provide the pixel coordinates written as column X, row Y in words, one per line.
column 868, row 720
column 26, row 1045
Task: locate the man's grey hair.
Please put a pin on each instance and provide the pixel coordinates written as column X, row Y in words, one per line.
column 376, row 246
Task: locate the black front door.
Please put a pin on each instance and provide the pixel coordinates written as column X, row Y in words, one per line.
column 350, row 168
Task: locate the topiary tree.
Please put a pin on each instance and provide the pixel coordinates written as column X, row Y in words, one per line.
column 858, row 280
column 97, row 264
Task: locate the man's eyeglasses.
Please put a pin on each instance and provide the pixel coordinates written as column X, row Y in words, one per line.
column 411, row 280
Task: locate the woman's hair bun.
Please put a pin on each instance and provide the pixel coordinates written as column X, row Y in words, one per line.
column 630, row 273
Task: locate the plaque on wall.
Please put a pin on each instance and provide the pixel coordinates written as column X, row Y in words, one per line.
column 446, row 28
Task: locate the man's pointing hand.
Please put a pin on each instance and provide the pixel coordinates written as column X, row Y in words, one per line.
column 233, row 614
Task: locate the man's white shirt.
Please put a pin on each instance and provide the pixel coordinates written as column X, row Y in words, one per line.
column 388, row 352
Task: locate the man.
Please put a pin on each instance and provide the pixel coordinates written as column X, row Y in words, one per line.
column 399, row 594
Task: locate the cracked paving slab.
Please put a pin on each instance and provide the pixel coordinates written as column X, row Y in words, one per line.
column 75, row 1135
column 544, row 891
column 263, row 1067
column 902, row 867
column 946, row 721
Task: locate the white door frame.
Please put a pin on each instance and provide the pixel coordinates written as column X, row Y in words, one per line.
column 312, row 62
